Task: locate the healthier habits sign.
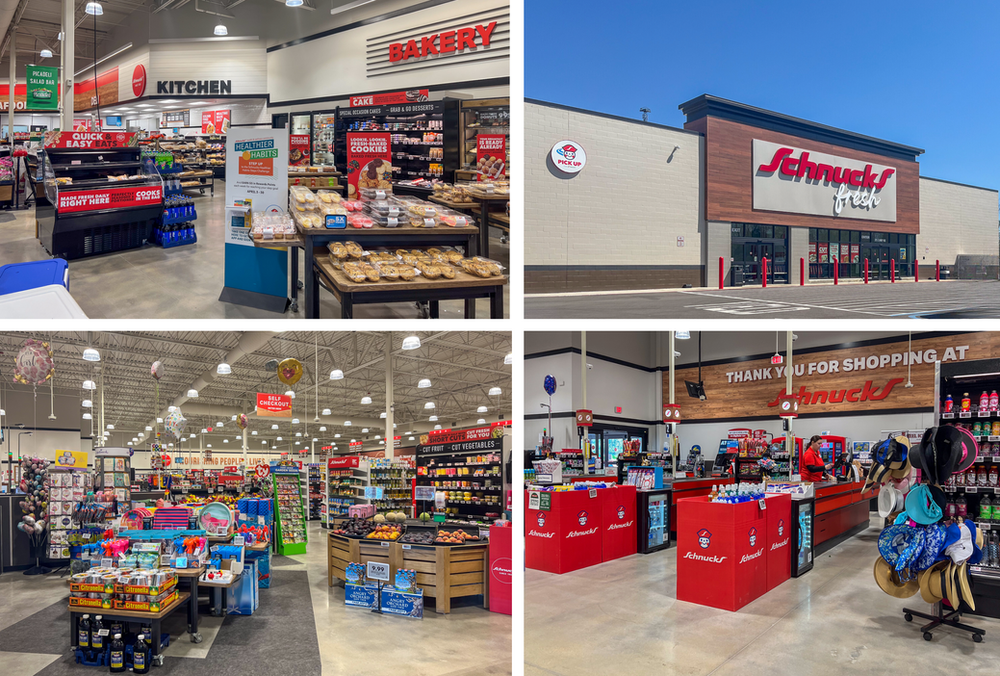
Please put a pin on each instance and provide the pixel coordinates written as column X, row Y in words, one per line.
column 369, row 162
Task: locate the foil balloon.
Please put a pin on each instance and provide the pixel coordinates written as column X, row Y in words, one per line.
column 156, row 448
column 174, row 424
column 242, row 421
column 271, row 365
column 156, row 370
column 289, row 371
column 550, row 385
column 34, row 365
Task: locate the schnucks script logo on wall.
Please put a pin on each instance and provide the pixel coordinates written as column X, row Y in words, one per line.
column 568, row 157
column 799, row 181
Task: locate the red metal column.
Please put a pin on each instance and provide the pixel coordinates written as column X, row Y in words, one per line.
column 916, row 271
column 866, row 271
column 722, row 267
column 802, row 272
column 892, row 270
column 764, row 270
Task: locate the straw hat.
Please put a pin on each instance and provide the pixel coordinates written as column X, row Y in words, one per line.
column 964, row 590
column 888, row 581
column 930, row 583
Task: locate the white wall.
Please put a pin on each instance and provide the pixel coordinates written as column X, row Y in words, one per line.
column 955, row 219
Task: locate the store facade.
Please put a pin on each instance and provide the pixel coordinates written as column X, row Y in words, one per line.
column 740, row 184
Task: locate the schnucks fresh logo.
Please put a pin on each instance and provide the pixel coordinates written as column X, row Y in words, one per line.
column 752, row 534
column 540, row 517
column 568, row 157
column 704, row 538
column 501, row 570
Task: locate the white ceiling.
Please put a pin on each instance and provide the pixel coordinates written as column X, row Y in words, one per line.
column 462, row 367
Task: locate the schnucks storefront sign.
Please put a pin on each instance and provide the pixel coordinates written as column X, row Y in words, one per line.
column 801, row 181
column 110, row 198
column 409, row 96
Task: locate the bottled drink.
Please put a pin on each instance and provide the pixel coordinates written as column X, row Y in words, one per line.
column 83, row 632
column 992, row 476
column 97, row 634
column 962, row 507
column 952, row 509
column 116, row 659
column 140, row 655
column 985, row 509
column 966, row 402
column 984, row 402
column 981, row 476
column 949, row 404
column 994, row 401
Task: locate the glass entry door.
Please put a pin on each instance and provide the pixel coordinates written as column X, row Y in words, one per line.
column 754, row 254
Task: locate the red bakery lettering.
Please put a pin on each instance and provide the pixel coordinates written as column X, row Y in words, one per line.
column 447, row 42
column 466, row 38
column 485, row 32
column 395, row 52
column 427, row 45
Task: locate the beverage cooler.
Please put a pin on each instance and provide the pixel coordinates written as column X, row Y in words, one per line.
column 654, row 520
column 803, row 517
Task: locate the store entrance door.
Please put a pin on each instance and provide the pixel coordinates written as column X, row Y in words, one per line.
column 879, row 262
column 608, row 441
column 754, row 254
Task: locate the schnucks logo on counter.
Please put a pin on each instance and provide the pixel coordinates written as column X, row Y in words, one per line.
column 582, row 517
column 704, row 538
column 779, row 545
column 706, row 559
column 751, row 557
column 568, row 157
column 538, row 534
column 540, row 517
column 580, row 533
column 501, row 571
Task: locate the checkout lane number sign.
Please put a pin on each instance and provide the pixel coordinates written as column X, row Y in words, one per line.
column 568, row 157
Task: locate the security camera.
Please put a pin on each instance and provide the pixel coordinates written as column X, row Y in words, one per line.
column 589, row 366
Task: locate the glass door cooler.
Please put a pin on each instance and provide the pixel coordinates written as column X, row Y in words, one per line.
column 803, row 515
column 654, row 519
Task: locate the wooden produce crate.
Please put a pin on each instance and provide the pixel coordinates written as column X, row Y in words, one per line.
column 445, row 573
column 340, row 552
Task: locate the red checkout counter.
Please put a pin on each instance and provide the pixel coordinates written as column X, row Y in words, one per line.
column 692, row 488
column 579, row 528
column 841, row 511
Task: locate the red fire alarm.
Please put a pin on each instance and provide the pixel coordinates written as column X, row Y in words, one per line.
column 776, row 359
column 788, row 405
column 584, row 418
column 671, row 413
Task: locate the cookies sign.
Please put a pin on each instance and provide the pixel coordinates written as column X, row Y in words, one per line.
column 491, row 156
column 369, row 165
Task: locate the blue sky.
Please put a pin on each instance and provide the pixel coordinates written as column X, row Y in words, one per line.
column 926, row 74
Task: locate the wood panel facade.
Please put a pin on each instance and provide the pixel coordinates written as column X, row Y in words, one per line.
column 729, row 179
column 839, row 381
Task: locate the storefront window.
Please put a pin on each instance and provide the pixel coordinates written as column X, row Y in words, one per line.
column 752, row 230
column 822, row 235
column 780, row 232
column 812, row 234
column 767, row 231
column 737, row 230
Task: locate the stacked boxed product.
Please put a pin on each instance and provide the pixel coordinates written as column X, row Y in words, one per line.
column 124, row 589
column 405, row 265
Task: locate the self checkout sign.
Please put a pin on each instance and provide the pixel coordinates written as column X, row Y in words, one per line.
column 584, row 418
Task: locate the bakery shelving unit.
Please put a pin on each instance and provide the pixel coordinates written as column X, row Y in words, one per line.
column 410, row 126
column 395, row 478
column 472, row 483
column 345, row 487
column 290, row 518
column 481, row 116
column 316, row 491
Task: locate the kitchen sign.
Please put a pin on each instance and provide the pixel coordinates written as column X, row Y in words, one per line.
column 800, row 181
column 193, row 87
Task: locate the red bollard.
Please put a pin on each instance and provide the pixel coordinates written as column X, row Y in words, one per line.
column 802, row 272
column 892, row 270
column 722, row 267
column 866, row 271
column 916, row 271
column 937, row 271
column 836, row 274
column 764, row 270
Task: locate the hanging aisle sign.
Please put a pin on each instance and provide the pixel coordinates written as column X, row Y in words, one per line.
column 256, row 178
column 43, row 88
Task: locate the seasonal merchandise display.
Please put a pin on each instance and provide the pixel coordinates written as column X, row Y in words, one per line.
column 290, row 521
column 395, row 478
column 112, row 471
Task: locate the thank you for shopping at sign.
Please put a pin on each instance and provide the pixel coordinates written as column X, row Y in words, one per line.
column 378, row 571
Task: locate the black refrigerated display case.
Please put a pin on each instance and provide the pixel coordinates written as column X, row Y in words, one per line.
column 654, row 519
column 803, row 517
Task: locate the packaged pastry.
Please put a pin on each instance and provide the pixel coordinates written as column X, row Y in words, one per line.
column 449, row 255
column 387, row 207
column 376, row 193
column 354, row 249
column 359, row 221
column 302, row 198
column 386, row 221
column 480, row 267
column 328, row 197
column 413, row 257
column 359, row 271
column 332, row 208
column 309, row 219
column 338, row 250
column 435, row 270
column 452, row 218
column 353, row 205
column 382, row 256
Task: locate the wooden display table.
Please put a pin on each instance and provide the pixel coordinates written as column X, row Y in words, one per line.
column 484, row 219
column 315, row 241
column 465, row 286
column 443, row 572
column 131, row 615
column 457, row 206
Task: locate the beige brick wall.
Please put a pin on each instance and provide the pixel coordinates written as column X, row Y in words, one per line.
column 618, row 210
column 955, row 219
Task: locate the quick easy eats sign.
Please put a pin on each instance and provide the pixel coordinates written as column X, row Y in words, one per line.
column 801, row 181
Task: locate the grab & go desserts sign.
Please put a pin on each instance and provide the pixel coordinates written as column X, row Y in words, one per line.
column 799, row 181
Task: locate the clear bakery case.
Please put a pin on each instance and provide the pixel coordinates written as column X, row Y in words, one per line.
column 481, row 116
column 102, row 195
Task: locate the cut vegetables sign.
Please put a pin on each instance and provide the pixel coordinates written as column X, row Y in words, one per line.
column 368, row 163
column 491, row 156
column 256, row 157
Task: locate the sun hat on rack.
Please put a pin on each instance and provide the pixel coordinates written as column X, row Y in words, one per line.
column 901, row 545
column 922, row 507
column 941, row 449
column 963, row 588
column 888, row 581
column 970, row 451
column 929, row 582
column 934, row 538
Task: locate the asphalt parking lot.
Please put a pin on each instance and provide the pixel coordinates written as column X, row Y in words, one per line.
column 959, row 299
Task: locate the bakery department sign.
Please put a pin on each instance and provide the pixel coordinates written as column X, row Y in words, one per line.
column 800, row 181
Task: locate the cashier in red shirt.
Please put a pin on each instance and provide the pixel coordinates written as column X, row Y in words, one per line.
column 813, row 468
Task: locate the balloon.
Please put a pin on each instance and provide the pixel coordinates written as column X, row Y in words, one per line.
column 550, row 385
column 29, row 520
column 271, row 365
column 242, row 421
column 34, row 365
column 156, row 448
column 156, row 370
column 174, row 424
column 289, row 371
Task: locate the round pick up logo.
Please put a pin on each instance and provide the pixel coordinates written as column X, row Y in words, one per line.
column 568, row 157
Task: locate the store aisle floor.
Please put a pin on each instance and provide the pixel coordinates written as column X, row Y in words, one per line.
column 622, row 617
column 185, row 282
column 301, row 627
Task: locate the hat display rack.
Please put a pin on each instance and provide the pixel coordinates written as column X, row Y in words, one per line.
column 921, row 550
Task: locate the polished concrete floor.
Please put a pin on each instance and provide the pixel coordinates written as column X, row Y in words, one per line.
column 185, row 282
column 469, row 640
column 622, row 617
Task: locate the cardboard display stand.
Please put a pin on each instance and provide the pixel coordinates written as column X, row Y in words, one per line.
column 501, row 570
column 778, row 538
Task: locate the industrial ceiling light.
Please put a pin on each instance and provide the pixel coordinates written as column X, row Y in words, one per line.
column 495, row 391
column 322, row 429
column 353, row 440
column 509, row 359
column 366, row 400
column 433, row 418
column 429, row 405
column 192, row 393
column 298, row 434
column 315, row 439
column 481, row 421
column 437, row 427
column 233, row 418
column 481, row 409
column 411, row 343
column 295, row 421
column 110, row 426
column 130, row 443
column 682, row 335
column 87, row 416
column 293, row 3
column 149, row 428
column 278, row 439
column 87, row 403
column 225, row 441
column 253, row 433
column 298, row 443
column 208, row 445
column 347, row 423
column 337, row 435
column 90, row 354
column 171, row 409
column 364, row 430
column 159, row 420
column 424, row 383
column 411, row 439
column 383, row 415
column 224, row 369
column 204, row 430
column 274, row 427
column 94, row 9
column 264, row 441
column 219, row 424
column 336, row 374
column 290, row 394
column 89, row 385
column 221, row 30
column 378, row 436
